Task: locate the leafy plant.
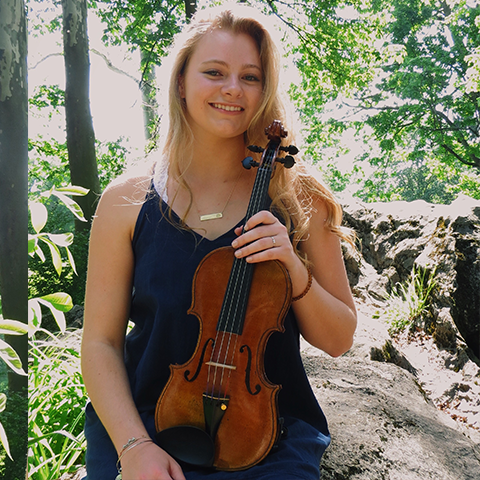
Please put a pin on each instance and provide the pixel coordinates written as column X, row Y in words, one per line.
column 409, row 303
column 56, row 440
column 11, row 358
column 39, row 217
column 55, row 420
column 45, row 276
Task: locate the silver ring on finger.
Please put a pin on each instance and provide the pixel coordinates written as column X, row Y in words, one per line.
column 273, row 241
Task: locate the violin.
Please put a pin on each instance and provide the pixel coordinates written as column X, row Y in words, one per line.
column 219, row 409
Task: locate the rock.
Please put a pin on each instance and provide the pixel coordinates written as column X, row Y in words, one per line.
column 384, row 426
column 442, row 239
column 388, row 353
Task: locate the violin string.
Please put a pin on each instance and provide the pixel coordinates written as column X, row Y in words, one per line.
column 238, row 274
column 240, row 300
column 238, row 303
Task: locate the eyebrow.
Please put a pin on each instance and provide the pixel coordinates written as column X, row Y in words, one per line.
column 221, row 62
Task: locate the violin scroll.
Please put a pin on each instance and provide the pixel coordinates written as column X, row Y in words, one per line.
column 275, row 132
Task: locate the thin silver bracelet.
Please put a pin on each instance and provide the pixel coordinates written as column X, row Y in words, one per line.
column 132, row 443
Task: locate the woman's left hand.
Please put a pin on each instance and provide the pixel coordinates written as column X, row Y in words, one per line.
column 264, row 238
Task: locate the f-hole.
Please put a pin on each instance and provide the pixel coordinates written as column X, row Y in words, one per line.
column 248, row 370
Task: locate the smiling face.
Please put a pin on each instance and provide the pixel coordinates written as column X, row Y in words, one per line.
column 222, row 85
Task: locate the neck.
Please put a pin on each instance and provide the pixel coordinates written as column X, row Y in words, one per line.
column 218, row 161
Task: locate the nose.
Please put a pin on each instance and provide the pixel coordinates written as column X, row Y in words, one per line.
column 232, row 87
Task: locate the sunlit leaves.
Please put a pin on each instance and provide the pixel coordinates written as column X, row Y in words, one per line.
column 57, row 303
column 57, row 400
column 3, row 434
column 39, row 217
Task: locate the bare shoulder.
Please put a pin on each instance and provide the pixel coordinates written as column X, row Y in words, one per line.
column 318, row 219
column 121, row 202
column 133, row 188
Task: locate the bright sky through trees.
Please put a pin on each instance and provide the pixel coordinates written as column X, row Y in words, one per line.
column 115, row 98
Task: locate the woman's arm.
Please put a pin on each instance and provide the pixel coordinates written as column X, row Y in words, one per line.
column 326, row 315
column 107, row 305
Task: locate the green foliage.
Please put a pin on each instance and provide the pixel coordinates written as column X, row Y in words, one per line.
column 58, row 303
column 57, row 395
column 56, row 407
column 408, row 304
column 423, row 97
column 54, row 241
column 14, row 419
column 405, row 75
column 47, row 96
column 47, row 164
column 399, row 176
column 145, row 24
column 11, row 358
column 112, row 160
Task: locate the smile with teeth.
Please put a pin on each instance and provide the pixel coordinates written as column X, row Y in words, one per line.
column 228, row 108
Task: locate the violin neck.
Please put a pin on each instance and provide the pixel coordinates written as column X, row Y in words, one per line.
column 259, row 197
column 234, row 307
column 236, row 296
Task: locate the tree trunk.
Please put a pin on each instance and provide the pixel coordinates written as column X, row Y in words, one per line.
column 14, row 218
column 80, row 134
column 13, row 178
column 190, row 8
column 149, row 104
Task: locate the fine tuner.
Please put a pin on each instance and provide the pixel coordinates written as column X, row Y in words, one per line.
column 288, row 161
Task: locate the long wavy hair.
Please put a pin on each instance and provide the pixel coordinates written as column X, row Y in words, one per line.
column 293, row 191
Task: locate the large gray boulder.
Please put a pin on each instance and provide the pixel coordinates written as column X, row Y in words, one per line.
column 384, row 427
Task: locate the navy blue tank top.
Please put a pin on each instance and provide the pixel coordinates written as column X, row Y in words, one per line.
column 166, row 258
column 165, row 261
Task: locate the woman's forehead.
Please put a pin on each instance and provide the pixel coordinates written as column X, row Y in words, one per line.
column 223, row 46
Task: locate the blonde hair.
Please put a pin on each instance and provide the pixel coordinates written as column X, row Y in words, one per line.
column 292, row 191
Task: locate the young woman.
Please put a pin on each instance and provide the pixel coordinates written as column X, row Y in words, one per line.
column 151, row 232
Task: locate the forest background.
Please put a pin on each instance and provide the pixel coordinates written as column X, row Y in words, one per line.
column 388, row 93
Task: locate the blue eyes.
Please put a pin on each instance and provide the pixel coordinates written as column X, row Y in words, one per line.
column 216, row 73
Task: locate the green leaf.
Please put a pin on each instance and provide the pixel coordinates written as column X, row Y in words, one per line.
column 32, row 244
column 70, row 204
column 38, row 215
column 55, row 252
column 11, row 358
column 34, row 316
column 73, row 190
column 4, row 440
column 71, row 260
column 34, row 248
column 61, row 301
column 58, row 314
column 61, row 239
column 12, row 327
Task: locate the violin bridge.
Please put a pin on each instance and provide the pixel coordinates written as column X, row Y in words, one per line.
column 221, row 365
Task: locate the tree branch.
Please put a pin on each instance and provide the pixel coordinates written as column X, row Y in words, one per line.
column 112, row 67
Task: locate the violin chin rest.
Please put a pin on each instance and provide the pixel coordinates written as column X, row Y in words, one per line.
column 188, row 444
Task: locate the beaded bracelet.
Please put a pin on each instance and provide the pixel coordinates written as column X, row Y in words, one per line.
column 307, row 288
column 131, row 443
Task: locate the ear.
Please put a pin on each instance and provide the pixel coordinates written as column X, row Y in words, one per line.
column 181, row 86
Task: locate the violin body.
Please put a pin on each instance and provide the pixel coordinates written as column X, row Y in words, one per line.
column 219, row 409
column 249, row 427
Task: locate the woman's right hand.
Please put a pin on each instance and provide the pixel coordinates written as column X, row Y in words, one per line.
column 149, row 462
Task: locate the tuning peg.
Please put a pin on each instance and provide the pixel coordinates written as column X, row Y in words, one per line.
column 288, row 161
column 291, row 149
column 249, row 162
column 255, row 149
